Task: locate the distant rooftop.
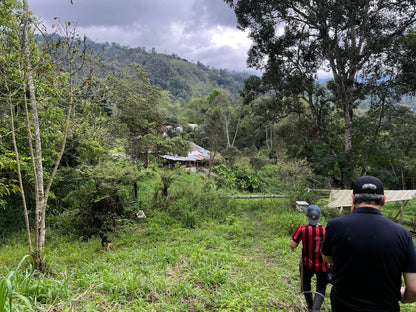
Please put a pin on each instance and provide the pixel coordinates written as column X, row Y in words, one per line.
column 198, row 153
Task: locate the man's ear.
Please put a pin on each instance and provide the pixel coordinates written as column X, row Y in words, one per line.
column 353, row 203
column 353, row 198
column 384, row 200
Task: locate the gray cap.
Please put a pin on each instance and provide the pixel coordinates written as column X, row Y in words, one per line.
column 313, row 213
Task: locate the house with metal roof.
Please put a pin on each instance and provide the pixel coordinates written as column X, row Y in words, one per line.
column 197, row 157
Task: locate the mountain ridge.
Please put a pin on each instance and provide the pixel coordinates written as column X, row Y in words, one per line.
column 182, row 78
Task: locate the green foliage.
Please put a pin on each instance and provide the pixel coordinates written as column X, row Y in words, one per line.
column 289, row 79
column 292, row 173
column 235, row 178
column 388, row 146
column 287, row 223
column 90, row 151
column 194, row 200
column 7, row 288
column 25, row 289
column 175, row 146
column 8, row 182
column 225, row 176
column 180, row 77
column 302, row 194
column 250, row 183
column 98, row 198
column 258, row 162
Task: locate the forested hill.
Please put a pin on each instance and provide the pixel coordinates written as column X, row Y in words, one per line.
column 182, row 78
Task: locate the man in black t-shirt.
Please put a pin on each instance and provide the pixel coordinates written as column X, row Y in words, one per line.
column 369, row 253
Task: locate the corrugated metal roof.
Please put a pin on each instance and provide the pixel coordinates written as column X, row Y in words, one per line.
column 197, row 153
column 342, row 198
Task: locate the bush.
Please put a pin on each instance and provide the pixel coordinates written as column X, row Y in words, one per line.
column 224, row 176
column 193, row 199
column 237, row 178
column 99, row 197
column 302, row 194
column 259, row 162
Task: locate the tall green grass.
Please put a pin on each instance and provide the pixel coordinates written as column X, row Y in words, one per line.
column 23, row 289
column 201, row 252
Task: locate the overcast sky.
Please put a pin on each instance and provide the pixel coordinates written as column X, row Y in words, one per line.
column 196, row 30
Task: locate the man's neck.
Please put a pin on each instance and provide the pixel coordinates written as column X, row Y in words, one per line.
column 371, row 205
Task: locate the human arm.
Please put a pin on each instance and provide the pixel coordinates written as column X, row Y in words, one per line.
column 293, row 244
column 296, row 238
column 409, row 291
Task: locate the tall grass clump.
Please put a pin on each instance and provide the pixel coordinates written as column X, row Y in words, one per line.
column 193, row 199
column 13, row 286
column 24, row 288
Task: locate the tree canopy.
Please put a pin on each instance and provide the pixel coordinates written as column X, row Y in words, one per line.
column 355, row 41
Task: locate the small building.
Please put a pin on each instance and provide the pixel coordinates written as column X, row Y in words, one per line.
column 198, row 157
column 301, row 205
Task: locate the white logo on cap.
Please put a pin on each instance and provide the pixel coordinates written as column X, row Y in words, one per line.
column 369, row 186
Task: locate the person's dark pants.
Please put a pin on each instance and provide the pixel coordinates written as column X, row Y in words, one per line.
column 321, row 281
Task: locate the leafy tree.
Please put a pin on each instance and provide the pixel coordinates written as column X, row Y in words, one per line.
column 231, row 111
column 214, row 132
column 354, row 40
column 11, row 68
column 24, row 70
column 136, row 116
column 385, row 137
column 407, row 66
column 196, row 110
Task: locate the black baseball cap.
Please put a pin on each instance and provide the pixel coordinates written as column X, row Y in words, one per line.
column 368, row 185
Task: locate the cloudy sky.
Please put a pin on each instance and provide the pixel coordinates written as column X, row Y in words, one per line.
column 197, row 30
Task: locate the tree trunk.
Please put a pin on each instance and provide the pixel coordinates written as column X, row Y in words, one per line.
column 212, row 158
column 40, row 198
column 236, row 130
column 347, row 168
column 227, row 131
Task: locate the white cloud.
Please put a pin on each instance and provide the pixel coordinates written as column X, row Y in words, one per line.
column 226, row 36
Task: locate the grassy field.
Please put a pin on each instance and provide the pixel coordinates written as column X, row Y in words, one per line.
column 242, row 263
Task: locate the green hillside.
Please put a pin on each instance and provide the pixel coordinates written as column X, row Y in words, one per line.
column 180, row 77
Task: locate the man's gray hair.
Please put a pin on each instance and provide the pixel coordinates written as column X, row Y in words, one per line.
column 376, row 199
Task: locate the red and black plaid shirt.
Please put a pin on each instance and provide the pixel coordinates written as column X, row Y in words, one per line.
column 311, row 237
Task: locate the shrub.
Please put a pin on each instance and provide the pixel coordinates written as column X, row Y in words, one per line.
column 302, row 194
column 193, row 199
column 99, row 197
column 250, row 183
column 238, row 177
column 259, row 162
column 224, row 176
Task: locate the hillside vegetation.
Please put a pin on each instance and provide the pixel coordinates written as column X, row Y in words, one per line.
column 205, row 252
column 182, row 78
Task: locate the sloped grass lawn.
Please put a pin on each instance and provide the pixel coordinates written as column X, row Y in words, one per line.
column 242, row 264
